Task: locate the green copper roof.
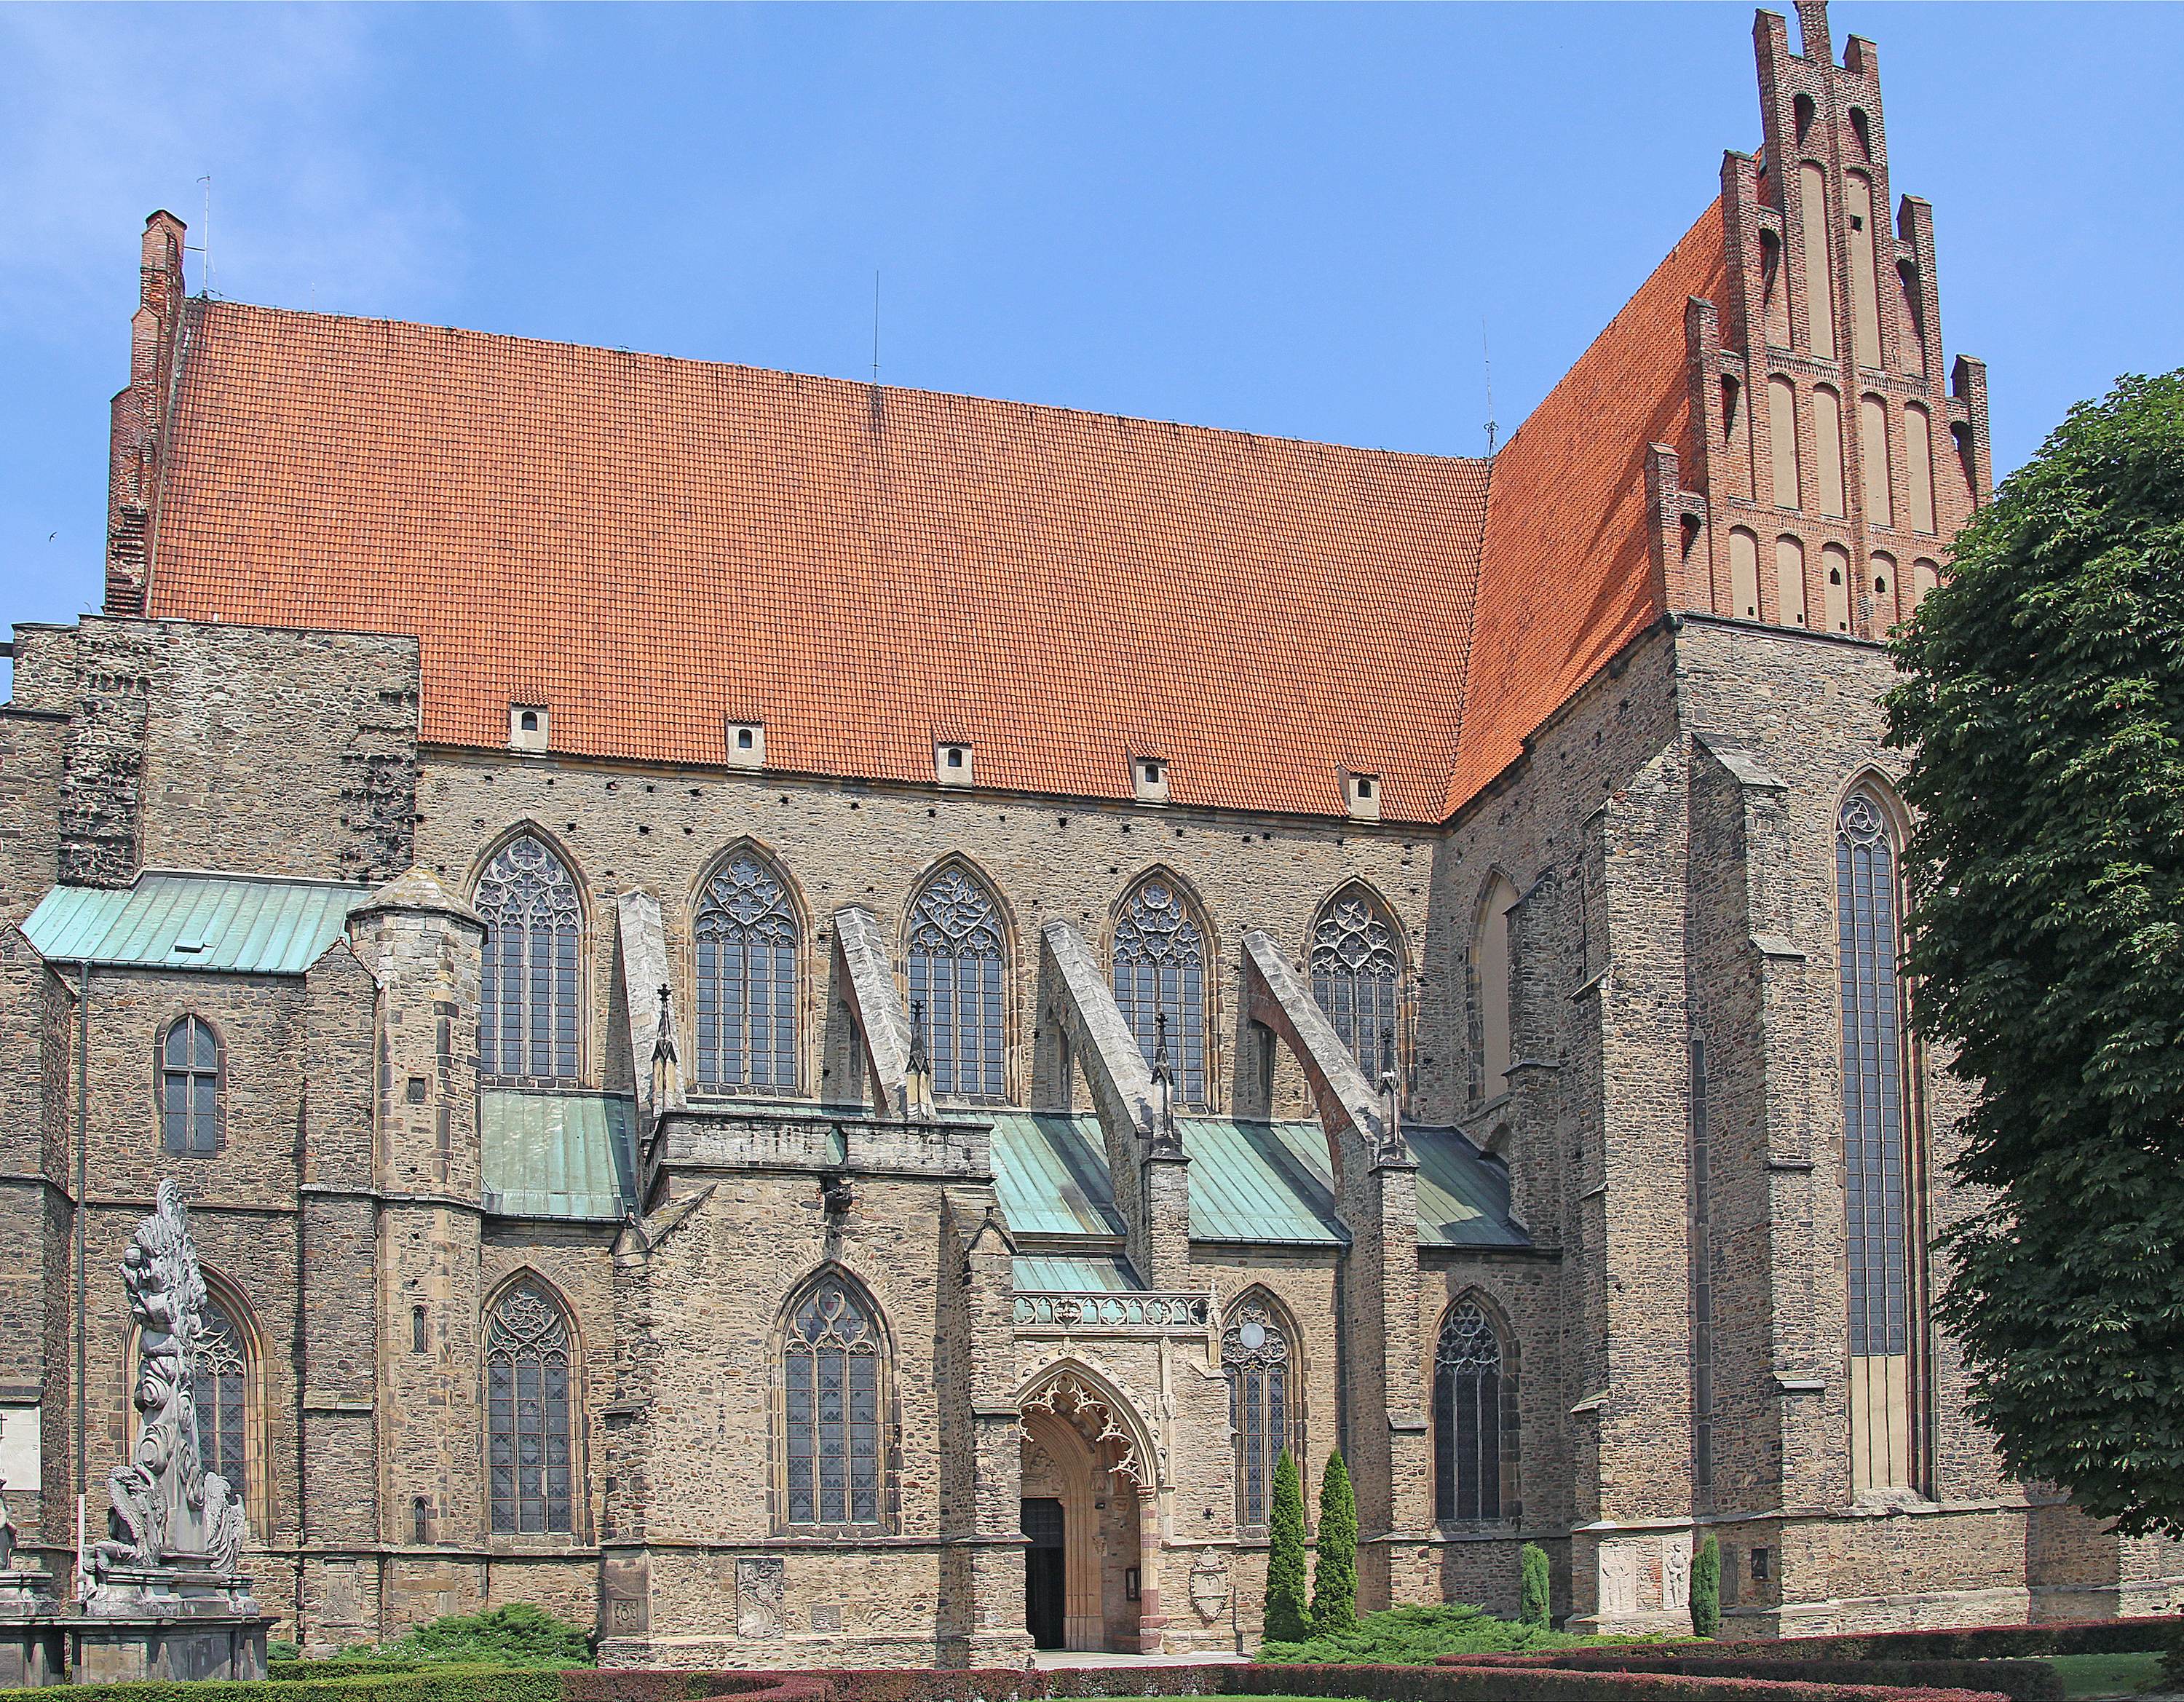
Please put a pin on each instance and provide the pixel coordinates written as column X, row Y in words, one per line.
column 1050, row 1174
column 1044, row 1273
column 548, row 1155
column 230, row 924
column 1260, row 1182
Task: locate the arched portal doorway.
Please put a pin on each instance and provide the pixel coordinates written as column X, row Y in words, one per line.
column 1089, row 1519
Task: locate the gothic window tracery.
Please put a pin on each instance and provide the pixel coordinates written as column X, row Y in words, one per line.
column 747, row 941
column 958, row 967
column 220, row 1389
column 831, row 1409
column 1467, row 1417
column 189, row 1087
column 1159, row 971
column 1878, row 1203
column 527, row 998
column 529, row 1429
column 1255, row 1357
column 1356, row 971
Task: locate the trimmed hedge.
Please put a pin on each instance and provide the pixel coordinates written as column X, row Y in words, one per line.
column 438, row 1682
column 2023, row 1681
column 1975, row 1642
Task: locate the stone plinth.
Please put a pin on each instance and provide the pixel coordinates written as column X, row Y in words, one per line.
column 166, row 1623
column 30, row 1644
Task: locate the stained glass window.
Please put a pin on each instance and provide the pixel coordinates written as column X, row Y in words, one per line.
column 219, row 1389
column 1467, row 1416
column 1355, row 972
column 958, row 965
column 528, row 1417
column 1159, row 971
column 1254, row 1354
column 832, row 1410
column 747, row 944
column 189, row 1087
column 527, row 1004
column 1872, row 1080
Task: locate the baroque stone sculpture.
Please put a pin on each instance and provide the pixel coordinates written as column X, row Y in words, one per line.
column 168, row 1513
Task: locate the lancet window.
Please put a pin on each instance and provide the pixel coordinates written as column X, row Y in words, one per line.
column 1878, row 1205
column 747, row 943
column 1255, row 1357
column 958, row 970
column 528, row 1002
column 1466, row 1415
column 189, row 1087
column 1357, row 976
column 528, row 1421
column 220, row 1389
column 831, row 1407
column 1159, row 972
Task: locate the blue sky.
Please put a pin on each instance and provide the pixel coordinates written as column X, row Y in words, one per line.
column 1289, row 219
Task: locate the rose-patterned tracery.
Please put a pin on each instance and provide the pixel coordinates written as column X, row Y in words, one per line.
column 958, row 967
column 1159, row 971
column 528, row 999
column 528, row 1417
column 747, row 941
column 1356, row 971
column 831, row 1410
column 1254, row 1356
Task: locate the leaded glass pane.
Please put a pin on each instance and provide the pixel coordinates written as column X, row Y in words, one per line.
column 831, row 1410
column 189, row 1088
column 1254, row 1356
column 1467, row 1416
column 747, row 938
column 528, row 1421
column 1875, row 1143
column 219, row 1392
column 956, row 967
column 527, row 1004
column 1355, row 975
column 1159, row 971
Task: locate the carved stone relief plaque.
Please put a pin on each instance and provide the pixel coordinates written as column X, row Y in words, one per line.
column 760, row 1583
column 1209, row 1585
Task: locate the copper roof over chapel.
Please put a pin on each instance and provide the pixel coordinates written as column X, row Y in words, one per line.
column 649, row 548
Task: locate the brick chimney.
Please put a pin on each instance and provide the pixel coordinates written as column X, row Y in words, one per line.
column 140, row 418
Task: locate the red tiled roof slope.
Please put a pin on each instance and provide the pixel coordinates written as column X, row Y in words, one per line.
column 1567, row 582
column 650, row 547
column 647, row 545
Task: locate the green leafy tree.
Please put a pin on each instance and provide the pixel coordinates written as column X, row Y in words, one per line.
column 2043, row 707
column 1706, row 1588
column 1285, row 1618
column 1334, row 1570
column 1532, row 1593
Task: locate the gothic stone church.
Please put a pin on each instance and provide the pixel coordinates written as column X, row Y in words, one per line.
column 808, row 1020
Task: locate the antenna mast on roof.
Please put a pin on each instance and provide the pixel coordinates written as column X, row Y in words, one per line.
column 875, row 324
column 204, row 239
column 1486, row 354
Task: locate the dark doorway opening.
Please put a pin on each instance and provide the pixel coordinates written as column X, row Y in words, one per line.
column 1043, row 1571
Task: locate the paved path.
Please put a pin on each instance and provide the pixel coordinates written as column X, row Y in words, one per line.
column 1048, row 1659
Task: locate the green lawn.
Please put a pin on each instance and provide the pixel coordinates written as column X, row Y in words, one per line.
column 2107, row 1675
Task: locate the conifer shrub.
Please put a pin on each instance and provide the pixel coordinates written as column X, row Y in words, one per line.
column 1532, row 1593
column 1335, row 1573
column 1286, row 1620
column 1706, row 1588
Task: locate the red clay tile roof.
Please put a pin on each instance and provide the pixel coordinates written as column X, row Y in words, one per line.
column 648, row 547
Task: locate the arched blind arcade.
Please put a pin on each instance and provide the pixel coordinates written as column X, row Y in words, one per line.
column 527, row 1003
column 1159, row 971
column 527, row 1414
column 1254, row 1356
column 1878, row 1206
column 958, row 968
column 747, row 941
column 1357, row 971
column 831, row 1411
column 1467, row 1416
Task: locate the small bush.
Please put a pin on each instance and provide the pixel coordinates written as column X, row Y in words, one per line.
column 518, row 1634
column 1334, row 1567
column 1532, row 1607
column 1285, row 1619
column 2172, row 1661
column 1414, row 1636
column 1706, row 1588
